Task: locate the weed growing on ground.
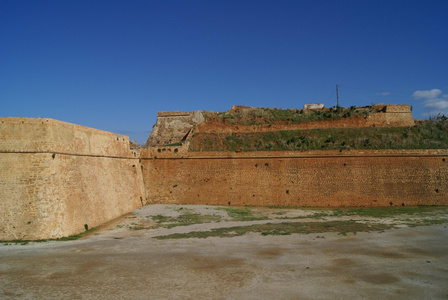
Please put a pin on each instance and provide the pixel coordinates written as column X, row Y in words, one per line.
column 419, row 216
column 287, row 228
column 66, row 238
column 383, row 212
column 242, row 214
column 185, row 219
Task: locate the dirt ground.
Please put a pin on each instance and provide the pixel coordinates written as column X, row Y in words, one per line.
column 125, row 260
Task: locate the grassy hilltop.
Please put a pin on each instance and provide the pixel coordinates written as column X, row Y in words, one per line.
column 428, row 134
column 266, row 116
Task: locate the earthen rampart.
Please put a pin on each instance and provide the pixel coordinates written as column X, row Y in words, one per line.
column 389, row 116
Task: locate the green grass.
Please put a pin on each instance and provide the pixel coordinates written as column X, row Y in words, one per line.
column 286, row 228
column 409, row 216
column 266, row 116
column 416, row 216
column 424, row 135
column 385, row 212
column 281, row 207
column 67, row 238
column 186, row 218
column 242, row 214
column 426, row 222
column 174, row 144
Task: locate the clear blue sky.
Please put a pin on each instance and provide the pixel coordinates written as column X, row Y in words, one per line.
column 112, row 65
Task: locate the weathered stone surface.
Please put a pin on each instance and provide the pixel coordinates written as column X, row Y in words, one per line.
column 56, row 178
column 173, row 127
column 312, row 178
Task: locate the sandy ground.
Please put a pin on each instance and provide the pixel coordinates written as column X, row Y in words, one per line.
column 119, row 263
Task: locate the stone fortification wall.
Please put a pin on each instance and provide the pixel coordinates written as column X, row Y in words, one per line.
column 173, row 127
column 57, row 178
column 46, row 135
column 315, row 178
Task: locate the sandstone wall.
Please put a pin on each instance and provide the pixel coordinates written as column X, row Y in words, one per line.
column 48, row 135
column 56, row 178
column 315, row 178
column 173, row 127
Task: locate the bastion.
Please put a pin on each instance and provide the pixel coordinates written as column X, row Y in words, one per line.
column 58, row 179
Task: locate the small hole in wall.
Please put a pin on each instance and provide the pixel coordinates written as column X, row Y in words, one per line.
column 133, row 166
column 437, row 190
column 345, row 164
column 287, row 192
column 86, row 227
column 159, row 150
column 266, row 164
column 390, row 203
column 229, row 203
column 256, row 165
column 402, row 204
column 443, row 159
column 176, row 150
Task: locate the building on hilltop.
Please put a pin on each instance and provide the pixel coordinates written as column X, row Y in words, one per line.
column 313, row 106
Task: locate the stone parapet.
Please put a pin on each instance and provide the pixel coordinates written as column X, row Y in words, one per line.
column 48, row 135
column 59, row 179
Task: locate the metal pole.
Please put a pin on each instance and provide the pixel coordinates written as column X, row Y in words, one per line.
column 337, row 95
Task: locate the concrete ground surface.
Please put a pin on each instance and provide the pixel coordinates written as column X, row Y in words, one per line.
column 125, row 262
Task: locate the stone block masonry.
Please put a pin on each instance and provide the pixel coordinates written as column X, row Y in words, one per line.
column 173, row 127
column 57, row 179
column 314, row 178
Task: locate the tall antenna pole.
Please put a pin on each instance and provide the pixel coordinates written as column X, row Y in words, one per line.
column 337, row 96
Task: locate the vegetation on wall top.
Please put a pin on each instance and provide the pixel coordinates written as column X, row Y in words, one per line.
column 430, row 134
column 266, row 116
